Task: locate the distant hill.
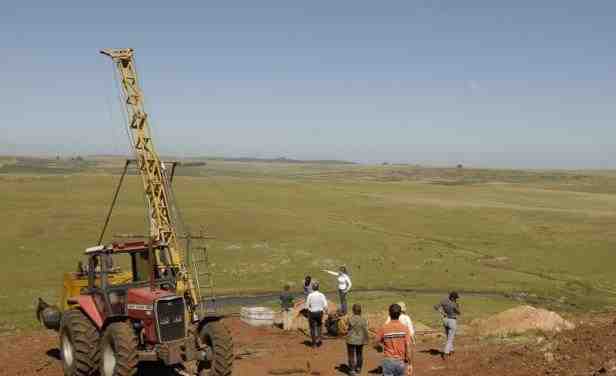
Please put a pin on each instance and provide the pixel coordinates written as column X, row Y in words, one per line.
column 282, row 160
column 231, row 159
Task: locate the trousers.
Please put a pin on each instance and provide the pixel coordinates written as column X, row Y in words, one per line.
column 451, row 326
column 356, row 357
column 393, row 367
column 343, row 300
column 315, row 320
column 287, row 318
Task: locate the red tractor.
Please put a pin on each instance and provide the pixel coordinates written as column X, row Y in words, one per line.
column 140, row 301
column 122, row 318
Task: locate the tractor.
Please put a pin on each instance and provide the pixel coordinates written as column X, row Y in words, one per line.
column 141, row 301
column 121, row 318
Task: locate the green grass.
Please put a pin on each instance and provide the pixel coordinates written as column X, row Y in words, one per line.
column 549, row 235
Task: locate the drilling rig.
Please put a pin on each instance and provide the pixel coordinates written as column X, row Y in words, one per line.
column 110, row 319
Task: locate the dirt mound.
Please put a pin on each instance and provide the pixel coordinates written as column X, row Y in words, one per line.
column 521, row 319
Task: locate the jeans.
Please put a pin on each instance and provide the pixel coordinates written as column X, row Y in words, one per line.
column 287, row 318
column 393, row 367
column 315, row 319
column 343, row 300
column 356, row 358
column 451, row 325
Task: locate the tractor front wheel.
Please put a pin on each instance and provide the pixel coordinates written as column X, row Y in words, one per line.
column 118, row 350
column 220, row 350
column 78, row 344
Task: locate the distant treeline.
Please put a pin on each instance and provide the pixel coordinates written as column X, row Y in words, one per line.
column 279, row 160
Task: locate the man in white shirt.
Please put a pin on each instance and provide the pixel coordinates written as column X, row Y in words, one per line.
column 406, row 320
column 344, row 285
column 316, row 303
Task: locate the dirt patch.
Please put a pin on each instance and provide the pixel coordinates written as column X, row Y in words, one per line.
column 589, row 349
column 521, row 319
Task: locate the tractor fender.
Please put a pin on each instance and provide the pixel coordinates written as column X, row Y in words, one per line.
column 87, row 305
column 206, row 320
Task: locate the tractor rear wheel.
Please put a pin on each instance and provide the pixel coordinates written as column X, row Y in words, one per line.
column 78, row 344
column 220, row 353
column 118, row 350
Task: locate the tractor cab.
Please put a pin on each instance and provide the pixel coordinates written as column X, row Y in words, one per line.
column 132, row 261
column 121, row 279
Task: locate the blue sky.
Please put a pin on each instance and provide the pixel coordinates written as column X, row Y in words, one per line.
column 484, row 83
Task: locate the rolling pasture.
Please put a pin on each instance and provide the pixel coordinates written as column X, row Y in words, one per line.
column 547, row 237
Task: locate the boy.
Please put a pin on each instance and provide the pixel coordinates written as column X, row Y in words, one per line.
column 356, row 338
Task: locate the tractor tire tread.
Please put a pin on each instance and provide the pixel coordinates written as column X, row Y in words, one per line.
column 223, row 348
column 125, row 344
column 85, row 337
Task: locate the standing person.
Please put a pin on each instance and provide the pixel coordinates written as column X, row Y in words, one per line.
column 344, row 285
column 450, row 310
column 317, row 305
column 396, row 340
column 307, row 286
column 356, row 338
column 286, row 305
column 406, row 320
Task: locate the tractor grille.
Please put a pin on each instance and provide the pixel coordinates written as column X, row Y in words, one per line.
column 170, row 318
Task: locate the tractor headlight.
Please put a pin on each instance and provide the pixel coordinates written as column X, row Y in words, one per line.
column 117, row 301
column 115, row 298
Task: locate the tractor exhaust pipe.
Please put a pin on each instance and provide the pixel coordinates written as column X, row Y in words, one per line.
column 48, row 315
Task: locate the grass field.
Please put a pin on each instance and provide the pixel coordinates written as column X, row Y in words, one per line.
column 545, row 236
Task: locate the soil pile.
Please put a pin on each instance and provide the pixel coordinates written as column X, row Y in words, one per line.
column 590, row 349
column 521, row 319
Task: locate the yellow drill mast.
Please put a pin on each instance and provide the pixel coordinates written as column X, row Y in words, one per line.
column 153, row 174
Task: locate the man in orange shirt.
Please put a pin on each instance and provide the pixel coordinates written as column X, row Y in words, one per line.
column 396, row 340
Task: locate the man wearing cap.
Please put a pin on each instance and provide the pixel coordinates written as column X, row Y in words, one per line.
column 316, row 303
column 450, row 310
